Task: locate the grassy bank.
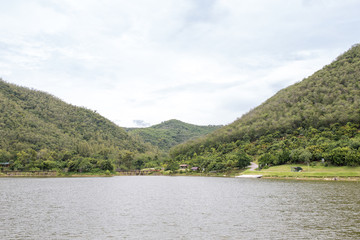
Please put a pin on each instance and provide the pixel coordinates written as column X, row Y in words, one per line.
column 54, row 174
column 283, row 171
column 229, row 173
column 315, row 172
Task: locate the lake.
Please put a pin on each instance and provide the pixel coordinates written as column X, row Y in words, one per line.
column 160, row 207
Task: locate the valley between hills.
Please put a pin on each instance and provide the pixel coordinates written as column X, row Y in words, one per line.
column 314, row 123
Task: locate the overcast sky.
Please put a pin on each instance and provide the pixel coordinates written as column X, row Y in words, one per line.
column 142, row 62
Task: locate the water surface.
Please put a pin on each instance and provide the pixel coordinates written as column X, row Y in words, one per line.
column 149, row 207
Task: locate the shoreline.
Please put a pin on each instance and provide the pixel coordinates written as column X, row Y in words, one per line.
column 224, row 175
column 316, row 172
column 341, row 179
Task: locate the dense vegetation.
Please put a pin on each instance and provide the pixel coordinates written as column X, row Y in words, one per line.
column 170, row 133
column 41, row 132
column 317, row 118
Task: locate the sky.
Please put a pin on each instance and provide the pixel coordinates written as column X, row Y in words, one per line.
column 142, row 62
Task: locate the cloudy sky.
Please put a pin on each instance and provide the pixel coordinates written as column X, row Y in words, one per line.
column 142, row 62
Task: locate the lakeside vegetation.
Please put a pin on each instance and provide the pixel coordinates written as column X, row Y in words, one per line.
column 39, row 132
column 317, row 118
column 317, row 171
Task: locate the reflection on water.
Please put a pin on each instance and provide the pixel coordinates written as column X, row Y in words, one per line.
column 177, row 208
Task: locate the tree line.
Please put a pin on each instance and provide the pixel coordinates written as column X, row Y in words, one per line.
column 317, row 118
column 41, row 132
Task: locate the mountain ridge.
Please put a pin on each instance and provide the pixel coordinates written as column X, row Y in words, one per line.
column 330, row 98
column 36, row 127
column 34, row 108
column 170, row 133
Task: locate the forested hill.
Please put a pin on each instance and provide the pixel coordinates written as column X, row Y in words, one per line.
column 313, row 119
column 170, row 133
column 32, row 120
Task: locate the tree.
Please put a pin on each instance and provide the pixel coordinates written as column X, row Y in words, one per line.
column 85, row 165
column 338, row 156
column 138, row 164
column 106, row 165
column 84, row 149
column 25, row 159
column 266, row 159
column 125, row 158
column 283, row 157
column 4, row 156
column 242, row 160
column 300, row 155
column 73, row 165
column 352, row 158
column 305, row 156
column 172, row 166
column 49, row 165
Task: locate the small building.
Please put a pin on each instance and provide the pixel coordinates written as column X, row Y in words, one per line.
column 4, row 164
column 195, row 169
column 184, row 166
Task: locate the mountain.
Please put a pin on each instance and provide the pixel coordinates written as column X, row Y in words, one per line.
column 170, row 133
column 35, row 124
column 317, row 118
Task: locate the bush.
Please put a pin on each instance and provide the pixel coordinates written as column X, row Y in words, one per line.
column 300, row 155
column 106, row 165
column 282, row 157
column 242, row 159
column 267, row 159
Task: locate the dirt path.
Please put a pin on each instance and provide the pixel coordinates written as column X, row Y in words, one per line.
column 253, row 166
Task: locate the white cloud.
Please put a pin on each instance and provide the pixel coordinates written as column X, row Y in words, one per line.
column 204, row 62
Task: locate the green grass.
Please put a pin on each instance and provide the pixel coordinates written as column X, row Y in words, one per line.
column 308, row 172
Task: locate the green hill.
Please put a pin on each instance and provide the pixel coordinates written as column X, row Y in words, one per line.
column 36, row 127
column 314, row 119
column 170, row 133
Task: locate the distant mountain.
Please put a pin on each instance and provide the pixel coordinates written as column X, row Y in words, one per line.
column 316, row 118
column 170, row 133
column 34, row 122
column 34, row 119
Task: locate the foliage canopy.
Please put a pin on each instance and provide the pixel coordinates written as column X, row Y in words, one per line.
column 170, row 133
column 40, row 132
column 316, row 118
